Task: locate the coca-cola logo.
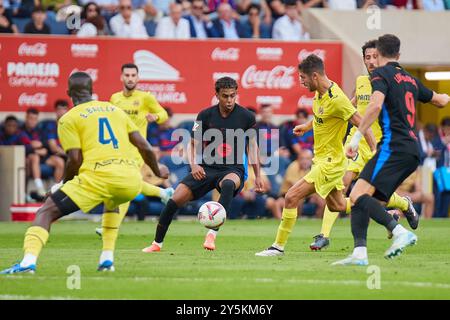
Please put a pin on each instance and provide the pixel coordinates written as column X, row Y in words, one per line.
column 230, row 54
column 83, row 50
column 32, row 50
column 265, row 53
column 36, row 100
column 321, row 53
column 305, row 101
column 280, row 77
column 93, row 73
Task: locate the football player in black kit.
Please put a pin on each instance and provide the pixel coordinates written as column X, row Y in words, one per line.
column 394, row 96
column 225, row 168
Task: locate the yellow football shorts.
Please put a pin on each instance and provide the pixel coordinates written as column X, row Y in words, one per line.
column 327, row 176
column 88, row 190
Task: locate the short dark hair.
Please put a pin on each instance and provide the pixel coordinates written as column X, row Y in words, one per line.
column 225, row 83
column 129, row 66
column 39, row 9
column 445, row 122
column 371, row 44
column 301, row 112
column 254, row 6
column 61, row 103
column 11, row 118
column 310, row 64
column 265, row 106
column 431, row 127
column 290, row 2
column 388, row 45
column 33, row 110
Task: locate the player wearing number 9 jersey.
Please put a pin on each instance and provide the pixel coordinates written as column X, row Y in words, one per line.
column 97, row 137
column 394, row 96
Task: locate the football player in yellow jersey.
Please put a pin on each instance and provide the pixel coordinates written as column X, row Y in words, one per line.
column 100, row 169
column 143, row 108
column 332, row 112
column 361, row 101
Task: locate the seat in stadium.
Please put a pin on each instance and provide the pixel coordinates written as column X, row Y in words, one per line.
column 21, row 23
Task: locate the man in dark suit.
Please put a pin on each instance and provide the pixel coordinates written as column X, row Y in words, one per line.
column 199, row 23
column 225, row 26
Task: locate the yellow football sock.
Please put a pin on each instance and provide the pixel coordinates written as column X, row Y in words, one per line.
column 123, row 209
column 328, row 220
column 288, row 219
column 110, row 224
column 150, row 190
column 348, row 209
column 397, row 202
column 35, row 238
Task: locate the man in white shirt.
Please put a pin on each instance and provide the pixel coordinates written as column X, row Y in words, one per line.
column 289, row 27
column 341, row 4
column 173, row 26
column 127, row 24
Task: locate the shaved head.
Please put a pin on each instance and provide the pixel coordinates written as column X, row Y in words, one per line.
column 80, row 86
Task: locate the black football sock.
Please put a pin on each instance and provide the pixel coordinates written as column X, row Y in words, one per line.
column 379, row 214
column 165, row 220
column 360, row 221
column 226, row 193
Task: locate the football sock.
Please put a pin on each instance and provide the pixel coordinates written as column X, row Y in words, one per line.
column 226, row 193
column 378, row 213
column 398, row 202
column 150, row 190
column 165, row 220
column 360, row 221
column 28, row 260
column 360, row 252
column 123, row 209
column 106, row 255
column 348, row 209
column 287, row 223
column 398, row 230
column 110, row 224
column 213, row 232
column 328, row 220
column 35, row 238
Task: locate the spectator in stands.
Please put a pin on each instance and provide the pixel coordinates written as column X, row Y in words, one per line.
column 126, row 23
column 6, row 23
column 161, row 138
column 173, row 26
column 277, row 8
column 162, row 6
column 430, row 152
column 312, row 4
column 25, row 8
column 199, row 23
column 39, row 155
column 289, row 26
column 38, row 25
column 225, row 26
column 413, row 188
column 292, row 142
column 340, row 4
column 431, row 5
column 266, row 130
column 213, row 5
column 51, row 130
column 243, row 7
column 442, row 174
column 296, row 171
column 93, row 22
column 254, row 27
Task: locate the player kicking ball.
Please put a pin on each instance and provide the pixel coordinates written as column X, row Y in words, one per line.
column 361, row 100
column 97, row 137
column 332, row 112
column 394, row 96
column 224, row 168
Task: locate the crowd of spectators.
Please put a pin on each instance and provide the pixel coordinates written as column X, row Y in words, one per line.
column 181, row 19
column 429, row 186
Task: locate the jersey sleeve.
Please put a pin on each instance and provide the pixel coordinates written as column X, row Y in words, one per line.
column 68, row 134
column 379, row 82
column 199, row 126
column 425, row 94
column 154, row 107
column 343, row 108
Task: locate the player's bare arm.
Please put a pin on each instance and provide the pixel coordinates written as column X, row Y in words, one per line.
column 369, row 136
column 74, row 162
column 145, row 149
column 197, row 171
column 440, row 100
column 301, row 129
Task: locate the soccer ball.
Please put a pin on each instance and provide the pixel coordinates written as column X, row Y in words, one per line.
column 212, row 214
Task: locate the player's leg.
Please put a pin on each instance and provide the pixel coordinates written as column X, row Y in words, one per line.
column 405, row 204
column 295, row 194
column 181, row 196
column 228, row 186
column 150, row 190
column 36, row 236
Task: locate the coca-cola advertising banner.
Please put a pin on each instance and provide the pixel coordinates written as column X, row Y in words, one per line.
column 181, row 74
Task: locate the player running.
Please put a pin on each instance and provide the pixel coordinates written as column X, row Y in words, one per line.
column 332, row 112
column 97, row 137
column 355, row 166
column 225, row 169
column 142, row 108
column 393, row 101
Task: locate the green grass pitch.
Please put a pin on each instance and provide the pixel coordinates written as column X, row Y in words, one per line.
column 183, row 270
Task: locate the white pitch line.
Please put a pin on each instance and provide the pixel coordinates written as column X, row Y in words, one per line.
column 257, row 280
column 25, row 297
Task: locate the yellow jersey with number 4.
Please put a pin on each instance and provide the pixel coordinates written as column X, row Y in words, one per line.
column 100, row 130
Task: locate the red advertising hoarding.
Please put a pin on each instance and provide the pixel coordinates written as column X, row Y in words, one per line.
column 34, row 70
